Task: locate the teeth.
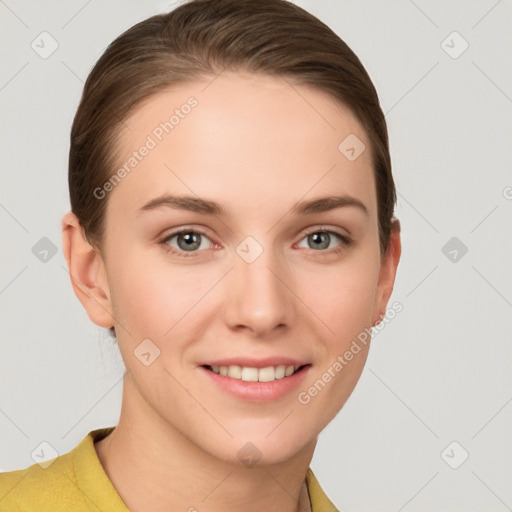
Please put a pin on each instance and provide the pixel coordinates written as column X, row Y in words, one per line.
column 289, row 370
column 249, row 374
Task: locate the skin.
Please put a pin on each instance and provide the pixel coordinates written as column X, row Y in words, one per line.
column 256, row 145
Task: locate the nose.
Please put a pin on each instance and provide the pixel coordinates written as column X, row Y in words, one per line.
column 258, row 296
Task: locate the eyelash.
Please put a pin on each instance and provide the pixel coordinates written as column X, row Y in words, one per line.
column 345, row 241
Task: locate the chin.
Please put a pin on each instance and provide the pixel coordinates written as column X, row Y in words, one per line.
column 260, row 450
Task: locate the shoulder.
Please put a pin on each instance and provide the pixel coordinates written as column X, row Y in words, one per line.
column 67, row 483
column 39, row 487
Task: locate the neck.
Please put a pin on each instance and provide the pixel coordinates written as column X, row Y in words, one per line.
column 154, row 466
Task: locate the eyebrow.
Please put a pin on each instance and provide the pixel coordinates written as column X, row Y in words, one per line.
column 208, row 207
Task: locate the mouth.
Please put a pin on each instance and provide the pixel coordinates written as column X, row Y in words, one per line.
column 253, row 374
column 257, row 384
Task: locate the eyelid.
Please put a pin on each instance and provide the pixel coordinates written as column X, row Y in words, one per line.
column 328, row 229
column 184, row 229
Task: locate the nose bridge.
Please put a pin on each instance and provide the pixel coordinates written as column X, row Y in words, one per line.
column 258, row 298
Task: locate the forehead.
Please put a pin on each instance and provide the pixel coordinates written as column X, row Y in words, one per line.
column 250, row 139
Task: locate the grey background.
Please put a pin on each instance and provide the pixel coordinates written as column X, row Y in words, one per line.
column 439, row 372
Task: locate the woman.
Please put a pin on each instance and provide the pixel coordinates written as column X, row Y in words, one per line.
column 232, row 224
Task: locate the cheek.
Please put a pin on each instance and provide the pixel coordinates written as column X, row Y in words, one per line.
column 150, row 296
column 342, row 297
column 343, row 302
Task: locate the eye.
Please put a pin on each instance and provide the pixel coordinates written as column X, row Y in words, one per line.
column 187, row 240
column 321, row 238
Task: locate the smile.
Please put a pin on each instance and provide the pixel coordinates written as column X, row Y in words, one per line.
column 250, row 374
column 256, row 384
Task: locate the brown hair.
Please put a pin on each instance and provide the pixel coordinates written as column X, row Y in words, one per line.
column 202, row 38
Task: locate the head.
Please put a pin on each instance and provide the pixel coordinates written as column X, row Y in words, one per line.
column 251, row 110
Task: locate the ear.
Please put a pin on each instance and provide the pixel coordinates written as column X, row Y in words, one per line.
column 87, row 271
column 387, row 275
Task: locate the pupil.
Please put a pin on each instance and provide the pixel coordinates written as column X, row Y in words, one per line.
column 317, row 237
column 190, row 239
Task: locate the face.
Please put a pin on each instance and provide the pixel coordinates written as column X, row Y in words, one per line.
column 258, row 281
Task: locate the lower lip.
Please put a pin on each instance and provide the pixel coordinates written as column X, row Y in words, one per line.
column 258, row 391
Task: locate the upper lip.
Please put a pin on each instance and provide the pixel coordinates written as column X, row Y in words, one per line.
column 256, row 363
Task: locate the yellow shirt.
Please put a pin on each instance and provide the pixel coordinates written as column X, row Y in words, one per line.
column 77, row 482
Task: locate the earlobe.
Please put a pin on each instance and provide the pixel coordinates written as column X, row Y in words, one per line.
column 87, row 272
column 388, row 270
